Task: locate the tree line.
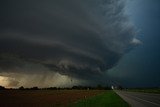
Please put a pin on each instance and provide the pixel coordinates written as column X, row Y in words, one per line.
column 79, row 87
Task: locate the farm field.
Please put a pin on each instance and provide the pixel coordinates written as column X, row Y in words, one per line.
column 44, row 98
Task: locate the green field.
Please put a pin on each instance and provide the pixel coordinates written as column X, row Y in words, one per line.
column 107, row 99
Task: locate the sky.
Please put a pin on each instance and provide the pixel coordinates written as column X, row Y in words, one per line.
column 84, row 42
column 140, row 67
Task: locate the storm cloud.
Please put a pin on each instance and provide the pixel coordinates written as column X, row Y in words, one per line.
column 76, row 38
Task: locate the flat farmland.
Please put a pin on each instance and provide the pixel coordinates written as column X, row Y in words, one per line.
column 44, row 98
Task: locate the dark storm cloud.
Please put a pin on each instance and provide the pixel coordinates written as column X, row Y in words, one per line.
column 73, row 37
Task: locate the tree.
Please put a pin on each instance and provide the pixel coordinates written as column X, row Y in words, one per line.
column 2, row 88
column 21, row 88
column 34, row 88
column 99, row 87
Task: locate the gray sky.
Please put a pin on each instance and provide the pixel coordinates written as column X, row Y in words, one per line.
column 49, row 43
column 140, row 67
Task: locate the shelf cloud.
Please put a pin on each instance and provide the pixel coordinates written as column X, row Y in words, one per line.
column 81, row 39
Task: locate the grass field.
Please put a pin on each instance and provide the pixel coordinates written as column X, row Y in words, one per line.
column 60, row 98
column 107, row 99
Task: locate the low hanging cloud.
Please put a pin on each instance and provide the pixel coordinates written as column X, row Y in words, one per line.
column 76, row 38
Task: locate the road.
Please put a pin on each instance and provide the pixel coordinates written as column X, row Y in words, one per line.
column 137, row 99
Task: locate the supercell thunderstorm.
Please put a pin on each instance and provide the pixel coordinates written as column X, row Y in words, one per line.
column 46, row 43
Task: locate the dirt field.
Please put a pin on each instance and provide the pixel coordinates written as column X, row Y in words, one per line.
column 43, row 98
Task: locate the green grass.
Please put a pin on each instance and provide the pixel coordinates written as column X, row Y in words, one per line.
column 107, row 99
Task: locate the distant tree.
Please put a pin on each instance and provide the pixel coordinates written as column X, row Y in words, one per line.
column 2, row 88
column 99, row 87
column 120, row 87
column 34, row 88
column 52, row 88
column 75, row 87
column 107, row 88
column 21, row 88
